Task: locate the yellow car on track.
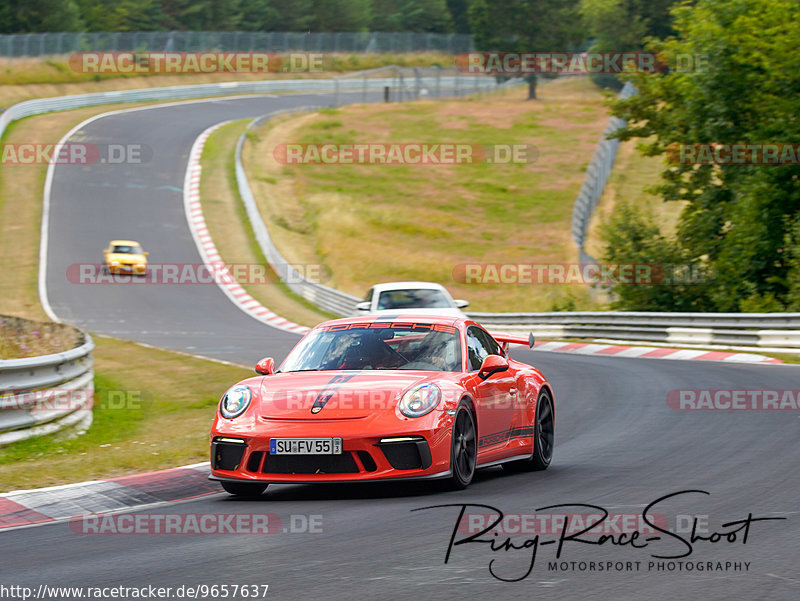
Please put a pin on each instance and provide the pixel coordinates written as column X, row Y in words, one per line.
column 125, row 256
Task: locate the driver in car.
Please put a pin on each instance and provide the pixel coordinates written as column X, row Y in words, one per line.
column 369, row 351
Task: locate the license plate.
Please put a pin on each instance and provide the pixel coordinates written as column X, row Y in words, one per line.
column 305, row 446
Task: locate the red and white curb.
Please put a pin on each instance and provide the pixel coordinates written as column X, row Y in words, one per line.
column 649, row 352
column 24, row 508
column 208, row 251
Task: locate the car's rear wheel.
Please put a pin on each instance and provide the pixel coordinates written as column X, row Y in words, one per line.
column 243, row 489
column 543, row 438
column 463, row 448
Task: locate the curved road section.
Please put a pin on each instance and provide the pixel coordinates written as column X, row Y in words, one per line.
column 92, row 204
column 620, row 446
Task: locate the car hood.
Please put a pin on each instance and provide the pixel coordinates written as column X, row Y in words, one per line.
column 126, row 258
column 334, row 394
column 450, row 311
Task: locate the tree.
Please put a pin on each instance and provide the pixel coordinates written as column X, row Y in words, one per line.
column 122, row 15
column 201, row 15
column 410, row 15
column 673, row 283
column 526, row 26
column 624, row 26
column 740, row 221
column 340, row 15
column 274, row 15
column 459, row 13
column 40, row 16
column 425, row 16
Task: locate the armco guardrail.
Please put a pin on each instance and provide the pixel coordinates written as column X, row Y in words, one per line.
column 41, row 395
column 324, row 297
column 773, row 330
column 597, row 174
column 64, row 103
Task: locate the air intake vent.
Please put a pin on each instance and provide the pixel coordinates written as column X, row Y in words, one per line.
column 310, row 464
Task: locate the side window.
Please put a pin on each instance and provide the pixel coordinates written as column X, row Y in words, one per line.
column 489, row 343
column 477, row 349
column 368, row 298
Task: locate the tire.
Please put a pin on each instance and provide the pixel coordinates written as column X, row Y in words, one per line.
column 543, row 438
column 243, row 489
column 463, row 449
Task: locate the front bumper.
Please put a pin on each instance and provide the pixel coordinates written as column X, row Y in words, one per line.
column 129, row 269
column 413, row 454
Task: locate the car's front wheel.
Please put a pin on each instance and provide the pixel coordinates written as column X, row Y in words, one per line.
column 243, row 489
column 543, row 437
column 463, row 448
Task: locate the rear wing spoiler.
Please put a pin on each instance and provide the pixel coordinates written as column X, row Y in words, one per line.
column 506, row 339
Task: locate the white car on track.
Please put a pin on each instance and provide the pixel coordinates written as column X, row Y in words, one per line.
column 410, row 297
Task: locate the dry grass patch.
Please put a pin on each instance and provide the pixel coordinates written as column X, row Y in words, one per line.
column 369, row 223
column 231, row 231
column 20, row 338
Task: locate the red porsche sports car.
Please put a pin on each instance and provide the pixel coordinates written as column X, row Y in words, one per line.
column 384, row 397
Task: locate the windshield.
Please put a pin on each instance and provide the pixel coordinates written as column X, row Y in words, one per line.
column 419, row 298
column 127, row 249
column 417, row 346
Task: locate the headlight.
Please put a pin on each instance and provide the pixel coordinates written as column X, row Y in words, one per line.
column 419, row 400
column 235, row 401
column 115, row 262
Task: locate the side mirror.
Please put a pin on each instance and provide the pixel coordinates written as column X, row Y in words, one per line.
column 491, row 365
column 266, row 367
column 363, row 306
column 145, row 253
column 461, row 303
